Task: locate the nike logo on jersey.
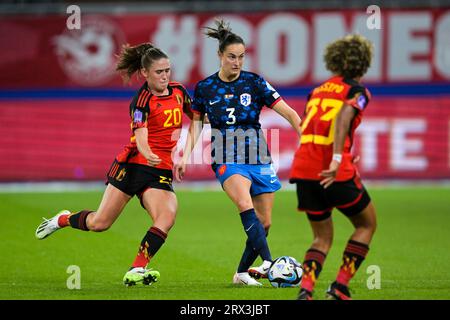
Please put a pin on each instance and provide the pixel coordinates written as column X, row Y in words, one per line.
column 213, row 102
column 273, row 180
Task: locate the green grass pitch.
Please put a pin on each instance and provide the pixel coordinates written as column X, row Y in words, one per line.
column 197, row 262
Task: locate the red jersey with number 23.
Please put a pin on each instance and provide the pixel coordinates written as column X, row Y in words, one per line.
column 162, row 116
column 316, row 150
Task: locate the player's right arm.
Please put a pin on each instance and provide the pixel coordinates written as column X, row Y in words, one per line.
column 141, row 135
column 343, row 123
column 195, row 129
column 139, row 111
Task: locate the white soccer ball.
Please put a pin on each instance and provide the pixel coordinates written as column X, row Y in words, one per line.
column 285, row 272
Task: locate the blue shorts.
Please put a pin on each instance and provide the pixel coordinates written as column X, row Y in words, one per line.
column 263, row 177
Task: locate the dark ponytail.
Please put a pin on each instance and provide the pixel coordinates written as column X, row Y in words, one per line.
column 224, row 35
column 132, row 59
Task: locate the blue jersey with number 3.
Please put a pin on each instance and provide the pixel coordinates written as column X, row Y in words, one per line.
column 233, row 109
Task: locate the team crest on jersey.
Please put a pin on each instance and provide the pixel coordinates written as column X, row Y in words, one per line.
column 179, row 99
column 246, row 99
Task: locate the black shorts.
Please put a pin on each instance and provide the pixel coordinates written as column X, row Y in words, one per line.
column 135, row 179
column 349, row 197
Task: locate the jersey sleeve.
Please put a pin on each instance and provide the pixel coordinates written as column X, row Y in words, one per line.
column 139, row 110
column 187, row 104
column 198, row 104
column 267, row 93
column 358, row 97
column 187, row 101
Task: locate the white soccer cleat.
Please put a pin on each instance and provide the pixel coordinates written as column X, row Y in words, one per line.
column 49, row 226
column 261, row 271
column 245, row 279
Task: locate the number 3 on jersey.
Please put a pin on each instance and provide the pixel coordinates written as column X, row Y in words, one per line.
column 231, row 116
column 173, row 117
column 318, row 127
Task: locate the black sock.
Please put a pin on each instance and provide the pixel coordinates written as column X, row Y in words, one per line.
column 354, row 254
column 312, row 266
column 150, row 244
column 78, row 220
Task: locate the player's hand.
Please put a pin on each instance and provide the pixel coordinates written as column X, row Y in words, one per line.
column 330, row 174
column 180, row 169
column 153, row 160
column 356, row 159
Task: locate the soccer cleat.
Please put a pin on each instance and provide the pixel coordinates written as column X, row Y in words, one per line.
column 245, row 279
column 338, row 291
column 49, row 226
column 261, row 271
column 304, row 295
column 140, row 275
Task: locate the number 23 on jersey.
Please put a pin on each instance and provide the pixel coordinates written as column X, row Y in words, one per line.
column 320, row 120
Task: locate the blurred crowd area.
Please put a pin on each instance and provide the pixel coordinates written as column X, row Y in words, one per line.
column 25, row 6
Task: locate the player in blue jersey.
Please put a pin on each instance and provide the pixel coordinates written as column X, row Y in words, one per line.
column 232, row 99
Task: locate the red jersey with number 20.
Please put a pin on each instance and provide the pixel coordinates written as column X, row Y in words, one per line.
column 316, row 150
column 162, row 116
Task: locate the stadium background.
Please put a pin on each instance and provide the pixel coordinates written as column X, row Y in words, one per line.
column 64, row 116
column 63, row 109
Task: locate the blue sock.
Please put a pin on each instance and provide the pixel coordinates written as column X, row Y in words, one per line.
column 255, row 233
column 248, row 256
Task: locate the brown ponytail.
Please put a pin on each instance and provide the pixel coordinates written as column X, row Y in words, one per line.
column 132, row 59
column 223, row 34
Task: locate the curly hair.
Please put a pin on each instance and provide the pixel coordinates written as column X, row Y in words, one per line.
column 349, row 57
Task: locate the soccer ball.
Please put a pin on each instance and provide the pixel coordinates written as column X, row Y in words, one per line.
column 285, row 272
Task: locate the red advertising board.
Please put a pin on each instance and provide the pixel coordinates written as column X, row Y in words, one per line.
column 78, row 139
column 285, row 47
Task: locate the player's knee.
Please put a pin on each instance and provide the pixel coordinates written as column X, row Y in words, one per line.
column 244, row 205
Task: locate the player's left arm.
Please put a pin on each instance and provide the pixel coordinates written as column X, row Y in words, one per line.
column 272, row 99
column 284, row 110
column 356, row 101
column 343, row 122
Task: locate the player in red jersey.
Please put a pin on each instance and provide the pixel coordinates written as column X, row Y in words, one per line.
column 323, row 166
column 144, row 167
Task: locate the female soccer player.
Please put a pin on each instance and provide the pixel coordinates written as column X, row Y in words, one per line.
column 323, row 166
column 144, row 167
column 232, row 99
